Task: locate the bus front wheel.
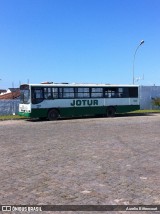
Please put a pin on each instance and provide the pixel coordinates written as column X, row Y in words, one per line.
column 111, row 112
column 52, row 115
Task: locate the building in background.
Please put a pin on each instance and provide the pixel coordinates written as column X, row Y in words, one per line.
column 2, row 91
column 11, row 93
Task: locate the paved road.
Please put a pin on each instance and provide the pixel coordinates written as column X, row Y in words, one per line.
column 81, row 161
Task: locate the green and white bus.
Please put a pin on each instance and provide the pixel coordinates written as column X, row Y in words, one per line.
column 54, row 100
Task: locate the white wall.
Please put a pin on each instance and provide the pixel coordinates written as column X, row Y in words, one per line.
column 146, row 95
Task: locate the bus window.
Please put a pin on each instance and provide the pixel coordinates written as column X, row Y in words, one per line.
column 120, row 92
column 47, row 93
column 60, row 92
column 37, row 95
column 68, row 92
column 83, row 93
column 123, row 92
column 133, row 92
column 97, row 92
column 55, row 92
column 110, row 92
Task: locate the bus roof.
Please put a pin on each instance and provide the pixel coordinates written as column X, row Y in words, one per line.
column 79, row 85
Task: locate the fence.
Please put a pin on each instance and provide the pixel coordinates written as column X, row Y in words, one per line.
column 8, row 107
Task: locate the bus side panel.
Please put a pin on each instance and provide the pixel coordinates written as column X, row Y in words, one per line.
column 123, row 105
column 82, row 111
column 127, row 108
column 35, row 113
column 41, row 112
column 82, row 107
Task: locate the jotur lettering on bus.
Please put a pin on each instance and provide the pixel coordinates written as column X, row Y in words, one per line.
column 84, row 103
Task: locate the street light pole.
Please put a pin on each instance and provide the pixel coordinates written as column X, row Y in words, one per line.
column 135, row 56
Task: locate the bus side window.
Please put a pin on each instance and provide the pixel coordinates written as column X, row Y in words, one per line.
column 60, row 92
column 110, row 92
column 68, row 92
column 106, row 94
column 96, row 92
column 45, row 93
column 120, row 92
column 125, row 92
column 133, row 92
column 37, row 95
column 55, row 93
column 83, row 92
column 49, row 93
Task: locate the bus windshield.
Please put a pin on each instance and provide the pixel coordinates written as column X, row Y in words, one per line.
column 24, row 94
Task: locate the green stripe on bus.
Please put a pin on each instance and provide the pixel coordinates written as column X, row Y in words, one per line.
column 79, row 111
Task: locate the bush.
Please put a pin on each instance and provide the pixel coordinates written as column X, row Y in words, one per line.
column 156, row 101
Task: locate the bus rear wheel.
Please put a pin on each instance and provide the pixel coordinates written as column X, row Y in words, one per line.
column 111, row 112
column 52, row 115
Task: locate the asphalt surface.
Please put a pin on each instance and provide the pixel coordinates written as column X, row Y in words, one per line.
column 93, row 161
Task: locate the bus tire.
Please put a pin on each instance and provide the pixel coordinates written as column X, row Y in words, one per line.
column 111, row 112
column 53, row 115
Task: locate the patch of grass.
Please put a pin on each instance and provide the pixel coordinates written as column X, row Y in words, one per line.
column 145, row 111
column 11, row 117
column 140, row 113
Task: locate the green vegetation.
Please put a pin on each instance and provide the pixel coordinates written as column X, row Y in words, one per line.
column 146, row 111
column 156, row 102
column 11, row 117
column 140, row 112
